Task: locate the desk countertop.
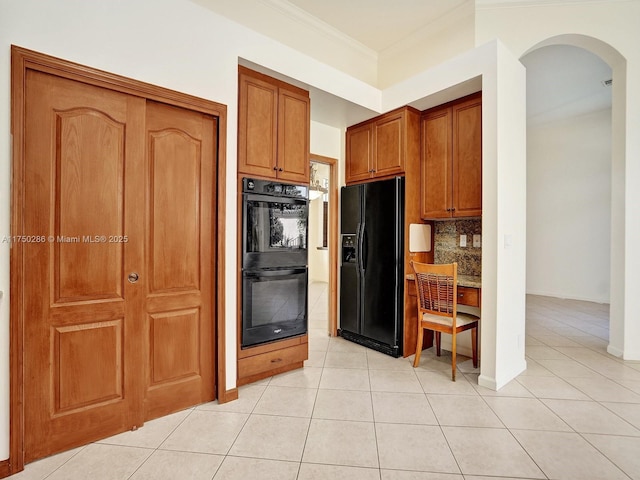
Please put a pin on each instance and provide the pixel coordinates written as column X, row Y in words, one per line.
column 463, row 280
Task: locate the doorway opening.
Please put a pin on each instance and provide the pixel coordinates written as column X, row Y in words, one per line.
column 570, row 160
column 323, row 240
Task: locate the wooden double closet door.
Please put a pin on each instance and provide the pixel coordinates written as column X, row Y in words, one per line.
column 118, row 269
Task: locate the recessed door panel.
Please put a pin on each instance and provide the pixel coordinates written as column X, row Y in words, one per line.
column 258, row 113
column 467, row 158
column 88, row 178
column 359, row 153
column 293, row 136
column 436, row 164
column 388, row 146
column 87, row 363
column 174, row 346
column 175, row 211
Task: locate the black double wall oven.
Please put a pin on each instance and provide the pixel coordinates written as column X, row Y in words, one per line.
column 274, row 260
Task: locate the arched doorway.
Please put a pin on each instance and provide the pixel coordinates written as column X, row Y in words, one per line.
column 616, row 250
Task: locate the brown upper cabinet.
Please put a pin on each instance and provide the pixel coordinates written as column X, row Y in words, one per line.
column 377, row 148
column 451, row 166
column 273, row 128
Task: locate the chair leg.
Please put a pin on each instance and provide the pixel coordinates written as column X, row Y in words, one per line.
column 453, row 356
column 437, row 343
column 416, row 361
column 474, row 346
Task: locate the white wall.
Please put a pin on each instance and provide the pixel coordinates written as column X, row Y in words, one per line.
column 610, row 30
column 569, row 207
column 318, row 259
column 326, row 141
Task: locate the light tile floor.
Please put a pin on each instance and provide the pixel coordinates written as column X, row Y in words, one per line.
column 353, row 413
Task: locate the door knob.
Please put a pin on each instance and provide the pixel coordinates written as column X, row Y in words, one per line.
column 133, row 277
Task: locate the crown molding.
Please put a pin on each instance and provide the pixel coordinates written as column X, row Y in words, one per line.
column 490, row 4
column 299, row 15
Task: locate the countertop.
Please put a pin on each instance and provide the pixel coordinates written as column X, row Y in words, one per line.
column 463, row 280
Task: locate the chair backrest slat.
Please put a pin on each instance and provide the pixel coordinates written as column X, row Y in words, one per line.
column 435, row 292
column 436, row 287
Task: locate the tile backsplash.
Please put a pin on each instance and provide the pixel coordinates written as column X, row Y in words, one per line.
column 447, row 249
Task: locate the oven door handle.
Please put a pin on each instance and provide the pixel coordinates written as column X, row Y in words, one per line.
column 274, row 273
column 255, row 197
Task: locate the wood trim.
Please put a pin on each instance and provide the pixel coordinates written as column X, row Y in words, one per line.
column 412, row 209
column 274, row 81
column 472, row 96
column 16, row 321
column 93, row 76
column 225, row 396
column 270, row 373
column 385, row 116
column 271, row 346
column 23, row 60
column 333, row 240
column 4, row 468
column 221, row 204
column 239, row 273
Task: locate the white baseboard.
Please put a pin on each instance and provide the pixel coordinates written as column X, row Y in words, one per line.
column 615, row 351
column 568, row 297
column 515, row 371
column 624, row 355
column 487, row 382
column 493, row 384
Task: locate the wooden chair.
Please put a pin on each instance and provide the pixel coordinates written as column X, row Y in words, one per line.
column 437, row 290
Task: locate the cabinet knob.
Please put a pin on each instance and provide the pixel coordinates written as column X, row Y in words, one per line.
column 275, row 168
column 279, row 169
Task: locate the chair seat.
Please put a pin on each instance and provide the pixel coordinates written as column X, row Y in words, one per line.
column 462, row 319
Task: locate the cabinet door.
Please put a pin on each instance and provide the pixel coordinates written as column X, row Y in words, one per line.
column 293, row 136
column 388, row 145
column 467, row 158
column 436, row 164
column 359, row 153
column 257, row 126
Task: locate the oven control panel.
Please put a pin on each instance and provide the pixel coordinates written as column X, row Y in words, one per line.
column 268, row 187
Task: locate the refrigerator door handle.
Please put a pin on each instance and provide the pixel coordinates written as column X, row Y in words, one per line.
column 360, row 244
column 365, row 252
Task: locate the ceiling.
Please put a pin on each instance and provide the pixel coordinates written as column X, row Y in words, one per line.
column 561, row 80
column 565, row 81
column 378, row 24
column 373, row 25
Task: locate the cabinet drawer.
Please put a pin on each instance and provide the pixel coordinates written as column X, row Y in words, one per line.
column 271, row 360
column 469, row 296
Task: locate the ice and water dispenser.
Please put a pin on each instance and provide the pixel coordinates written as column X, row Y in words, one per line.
column 348, row 249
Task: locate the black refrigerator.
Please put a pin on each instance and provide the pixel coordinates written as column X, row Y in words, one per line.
column 372, row 264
